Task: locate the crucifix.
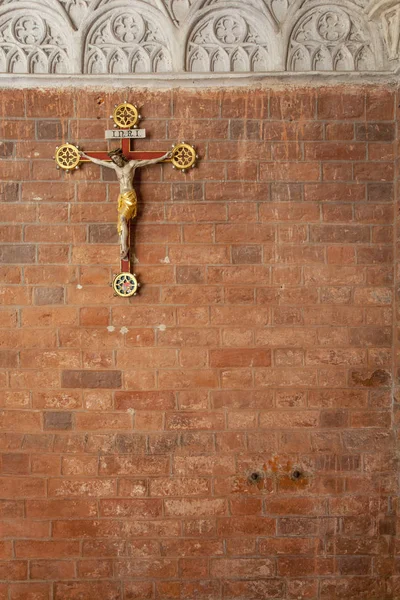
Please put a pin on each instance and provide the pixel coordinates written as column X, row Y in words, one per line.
column 124, row 161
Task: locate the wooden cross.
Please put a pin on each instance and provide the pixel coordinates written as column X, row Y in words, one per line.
column 125, row 117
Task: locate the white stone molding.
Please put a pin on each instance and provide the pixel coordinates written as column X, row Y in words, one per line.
column 105, row 38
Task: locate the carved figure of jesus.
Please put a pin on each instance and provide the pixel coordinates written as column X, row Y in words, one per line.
column 127, row 200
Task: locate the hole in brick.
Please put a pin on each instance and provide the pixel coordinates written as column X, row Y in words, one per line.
column 296, row 474
column 100, row 100
column 255, row 477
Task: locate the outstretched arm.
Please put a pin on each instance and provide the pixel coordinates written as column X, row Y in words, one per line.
column 96, row 161
column 153, row 161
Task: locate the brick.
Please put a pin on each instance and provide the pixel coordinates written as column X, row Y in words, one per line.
column 103, row 421
column 380, row 104
column 334, row 192
column 298, row 105
column 375, row 132
column 287, row 151
column 91, row 317
column 151, row 465
column 291, row 566
column 179, row 487
column 11, row 509
column 130, row 507
column 235, row 103
column 145, row 400
column 74, row 589
column 13, row 103
column 244, row 129
column 339, row 131
column 76, row 487
column 93, row 569
column 289, row 212
column 243, row 170
column 341, row 106
column 382, row 171
column 247, row 233
column 17, row 254
column 30, row 591
column 191, row 295
column 256, row 589
column 51, row 569
column 58, row 420
column 335, row 150
column 234, row 191
column 382, row 151
column 191, row 507
column 195, row 421
column 91, row 379
column 204, row 106
column 15, row 464
column 11, row 233
column 290, row 171
column 18, row 487
column 47, row 192
column 246, row 506
column 60, row 508
column 201, row 378
column 103, row 233
column 9, row 192
column 57, row 233
column 240, row 357
column 337, row 171
column 45, row 296
column 304, row 130
column 46, row 549
column 248, row 525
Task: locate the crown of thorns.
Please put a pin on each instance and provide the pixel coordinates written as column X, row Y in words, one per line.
column 117, row 152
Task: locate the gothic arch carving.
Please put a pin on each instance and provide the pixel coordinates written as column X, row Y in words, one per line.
column 118, row 35
column 32, row 39
column 330, row 37
column 227, row 40
column 106, row 37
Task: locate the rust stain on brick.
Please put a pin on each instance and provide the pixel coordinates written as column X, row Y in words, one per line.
column 377, row 379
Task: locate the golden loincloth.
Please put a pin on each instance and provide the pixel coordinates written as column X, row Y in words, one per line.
column 127, row 207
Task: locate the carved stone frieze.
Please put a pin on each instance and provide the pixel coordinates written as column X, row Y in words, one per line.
column 125, row 42
column 32, row 42
column 108, row 37
column 329, row 38
column 224, row 42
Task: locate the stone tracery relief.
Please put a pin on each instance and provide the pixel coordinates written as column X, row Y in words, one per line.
column 29, row 43
column 227, row 42
column 100, row 37
column 126, row 42
column 330, row 39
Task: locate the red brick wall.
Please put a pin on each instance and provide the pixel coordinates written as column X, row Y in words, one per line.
column 260, row 345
